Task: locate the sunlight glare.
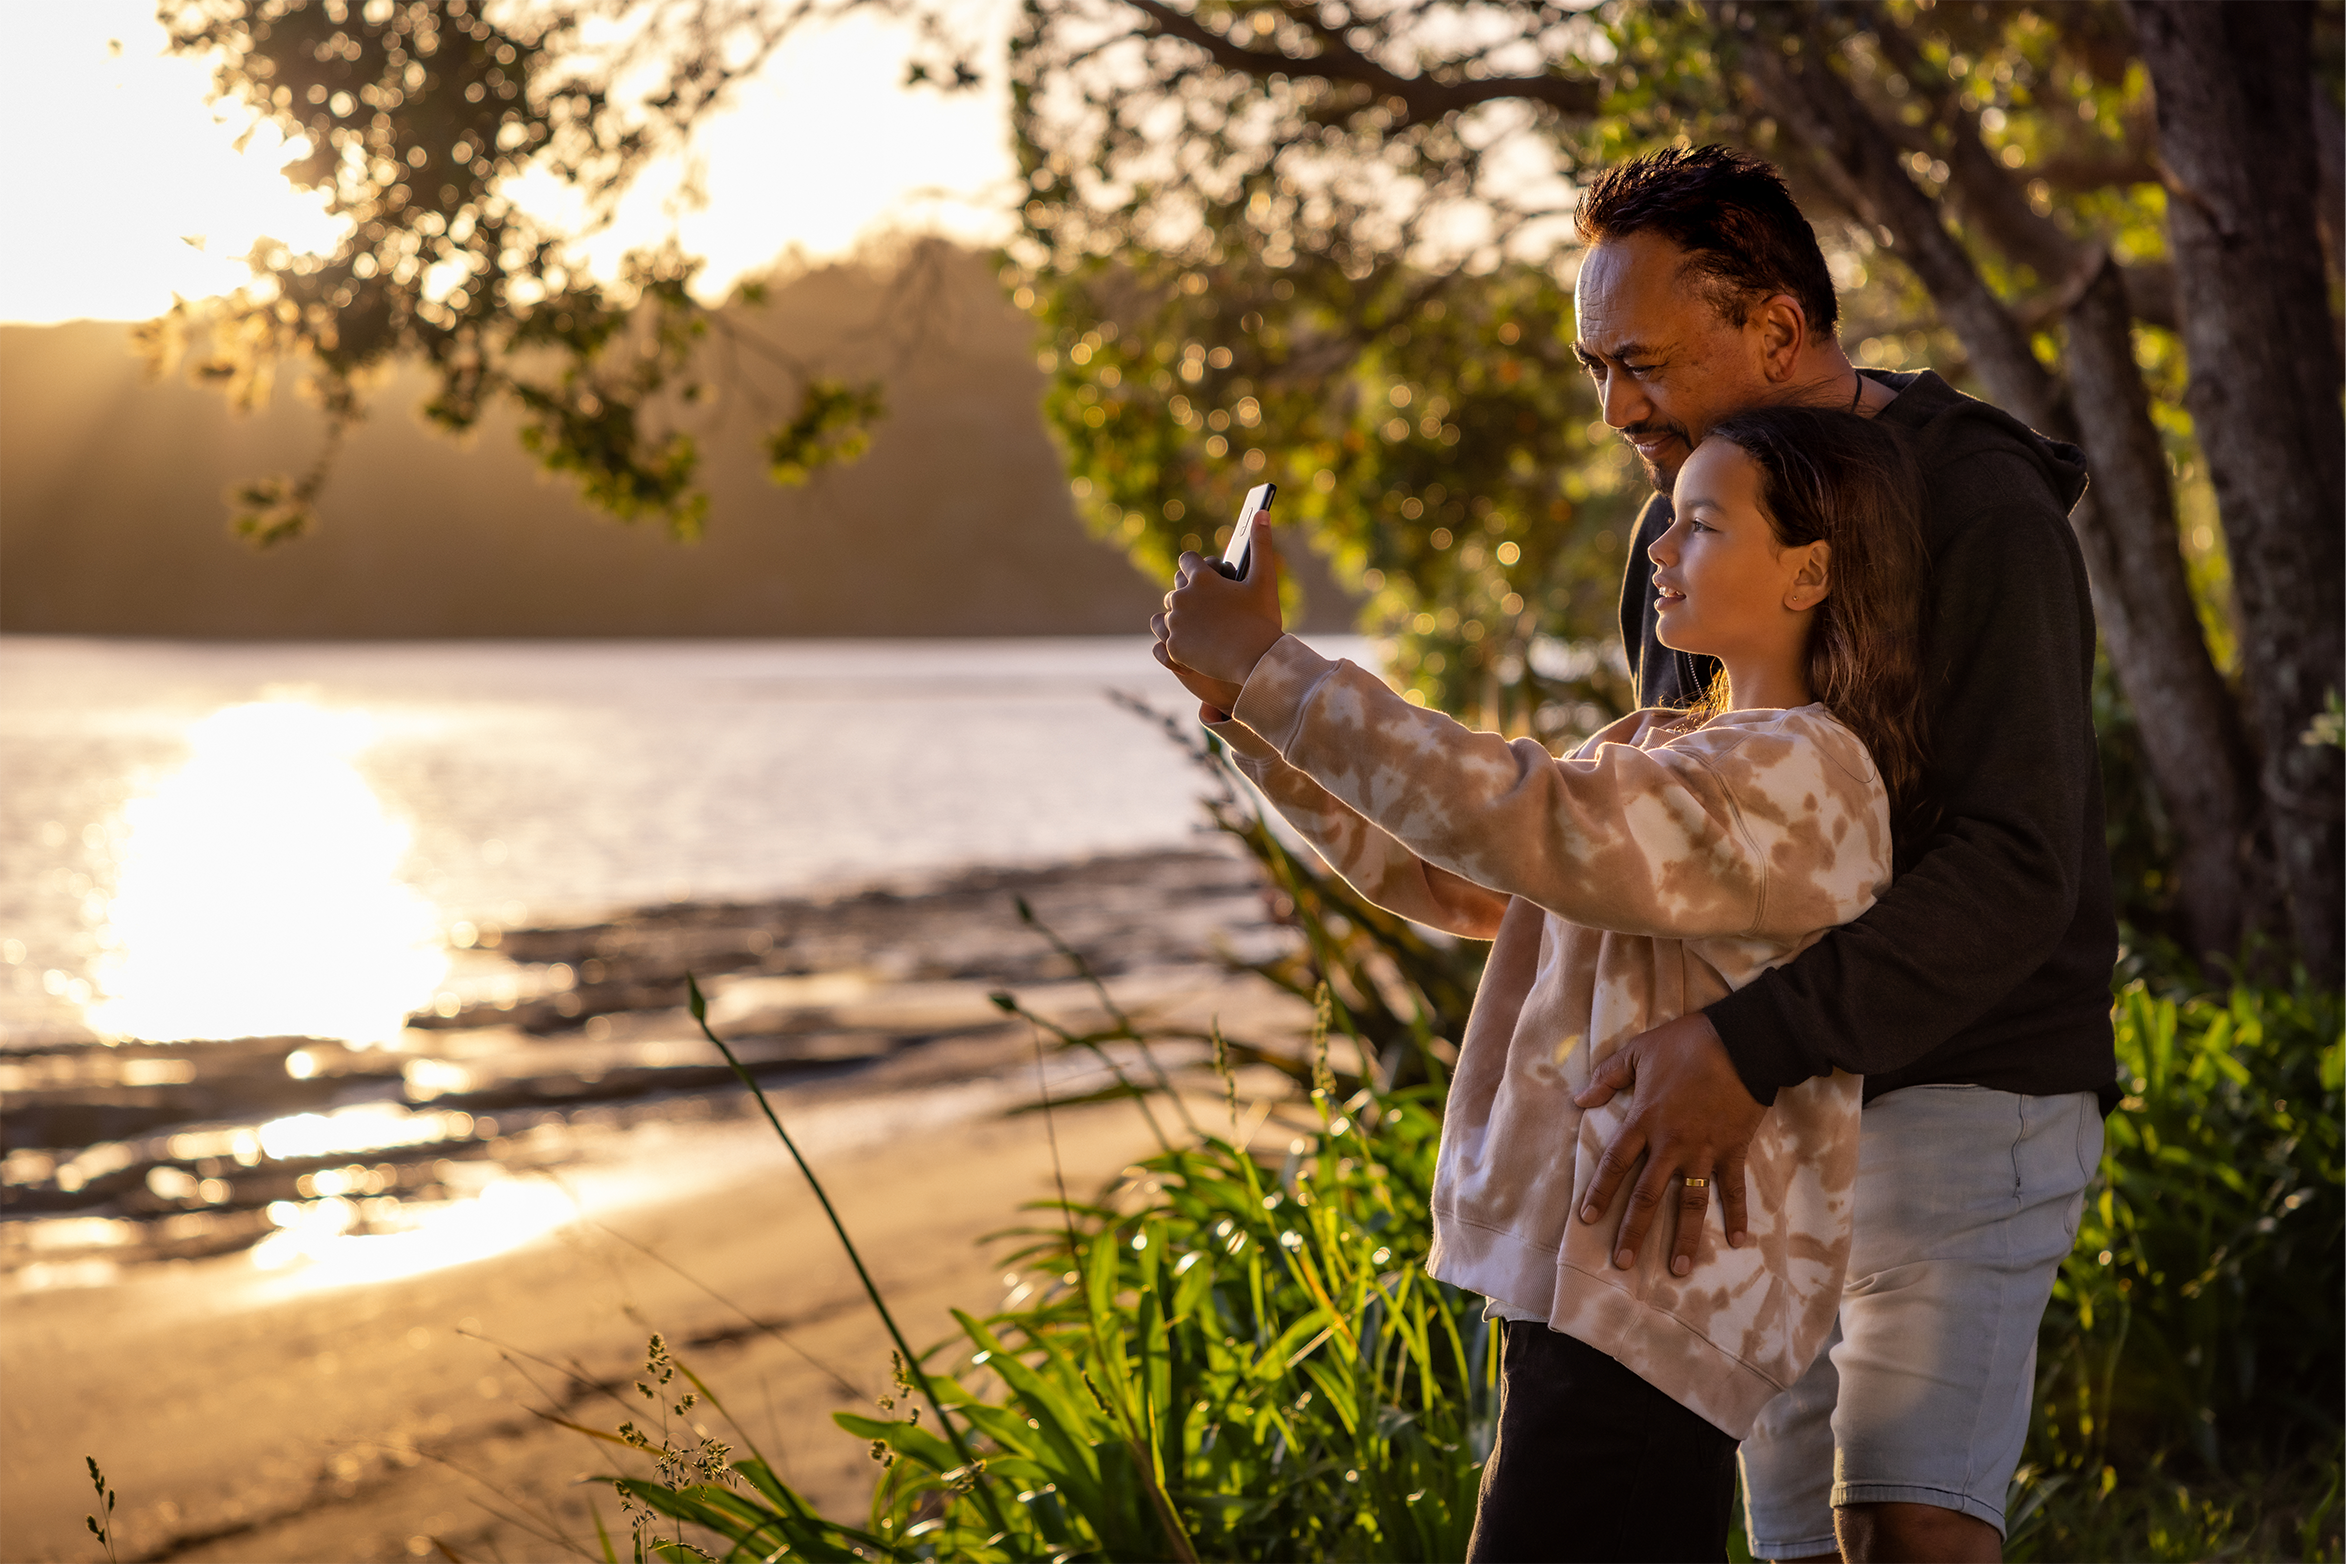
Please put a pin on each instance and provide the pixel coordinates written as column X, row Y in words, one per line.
column 123, row 187
column 258, row 893
column 120, row 165
column 314, row 1244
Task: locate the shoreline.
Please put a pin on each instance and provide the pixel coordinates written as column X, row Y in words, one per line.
column 317, row 1392
column 566, row 1035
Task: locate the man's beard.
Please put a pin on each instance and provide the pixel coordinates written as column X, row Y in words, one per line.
column 1664, row 479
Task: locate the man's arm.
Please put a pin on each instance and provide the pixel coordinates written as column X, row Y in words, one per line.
column 1995, row 886
column 1984, row 905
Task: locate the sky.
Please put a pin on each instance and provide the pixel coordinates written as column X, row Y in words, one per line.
column 123, row 189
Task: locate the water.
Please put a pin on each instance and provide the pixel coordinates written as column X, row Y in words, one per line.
column 186, row 827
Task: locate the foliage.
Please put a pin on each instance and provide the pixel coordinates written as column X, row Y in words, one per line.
column 2135, row 830
column 2151, row 1514
column 416, row 120
column 1430, row 433
column 1252, row 231
column 1221, row 1359
column 2190, row 1366
column 2201, row 1313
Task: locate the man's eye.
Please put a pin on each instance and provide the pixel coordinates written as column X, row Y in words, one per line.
column 1639, row 369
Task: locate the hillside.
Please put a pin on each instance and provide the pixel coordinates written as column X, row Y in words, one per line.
column 958, row 522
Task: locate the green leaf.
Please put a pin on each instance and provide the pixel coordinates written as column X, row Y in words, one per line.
column 906, row 1439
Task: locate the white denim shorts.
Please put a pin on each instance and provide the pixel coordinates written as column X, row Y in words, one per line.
column 1967, row 1201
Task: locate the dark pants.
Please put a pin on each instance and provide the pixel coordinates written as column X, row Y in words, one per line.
column 1594, row 1463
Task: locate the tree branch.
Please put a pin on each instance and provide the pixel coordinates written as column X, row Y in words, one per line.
column 1858, row 160
column 1424, row 98
column 1986, row 194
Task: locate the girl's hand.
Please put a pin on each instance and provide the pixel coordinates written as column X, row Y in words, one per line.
column 1220, row 628
column 1215, row 697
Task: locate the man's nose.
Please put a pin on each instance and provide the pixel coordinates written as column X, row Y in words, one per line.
column 1625, row 403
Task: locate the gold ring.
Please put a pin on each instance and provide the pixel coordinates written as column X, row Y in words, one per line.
column 1698, row 1183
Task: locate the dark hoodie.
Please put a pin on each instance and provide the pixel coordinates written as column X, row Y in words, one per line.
column 1988, row 962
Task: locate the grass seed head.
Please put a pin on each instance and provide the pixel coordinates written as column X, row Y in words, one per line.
column 1222, row 1068
column 1323, row 1076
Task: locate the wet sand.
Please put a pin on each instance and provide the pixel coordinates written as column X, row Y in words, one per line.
column 356, row 1401
column 544, row 1038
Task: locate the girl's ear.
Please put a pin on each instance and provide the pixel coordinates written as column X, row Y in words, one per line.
column 1812, row 578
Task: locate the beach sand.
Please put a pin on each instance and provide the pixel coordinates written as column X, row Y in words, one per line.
column 307, row 1412
column 324, row 1427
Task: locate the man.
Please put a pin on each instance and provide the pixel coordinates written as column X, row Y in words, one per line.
column 1974, row 996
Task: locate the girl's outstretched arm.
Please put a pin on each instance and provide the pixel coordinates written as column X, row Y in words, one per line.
column 1675, row 841
column 1363, row 852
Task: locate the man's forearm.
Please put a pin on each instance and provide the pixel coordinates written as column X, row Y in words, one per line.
column 1995, row 890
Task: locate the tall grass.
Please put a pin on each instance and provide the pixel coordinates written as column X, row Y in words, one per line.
column 1237, row 1359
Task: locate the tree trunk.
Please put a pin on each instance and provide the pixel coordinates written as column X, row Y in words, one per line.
column 2143, row 602
column 2236, row 133
column 2190, row 731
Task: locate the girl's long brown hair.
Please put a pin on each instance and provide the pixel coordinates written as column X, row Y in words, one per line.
column 1852, row 482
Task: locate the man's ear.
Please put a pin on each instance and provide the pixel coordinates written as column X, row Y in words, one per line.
column 1812, row 581
column 1783, row 335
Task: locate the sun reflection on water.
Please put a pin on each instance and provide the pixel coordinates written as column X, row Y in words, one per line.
column 314, row 1242
column 259, row 893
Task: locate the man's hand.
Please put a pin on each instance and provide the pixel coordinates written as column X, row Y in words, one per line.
column 1692, row 1118
column 1213, row 630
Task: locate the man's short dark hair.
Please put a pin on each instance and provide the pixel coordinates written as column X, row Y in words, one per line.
column 1742, row 232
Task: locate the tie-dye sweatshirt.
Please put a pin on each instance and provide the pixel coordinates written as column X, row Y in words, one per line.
column 1639, row 879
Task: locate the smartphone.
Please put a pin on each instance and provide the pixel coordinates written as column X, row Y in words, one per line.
column 1233, row 562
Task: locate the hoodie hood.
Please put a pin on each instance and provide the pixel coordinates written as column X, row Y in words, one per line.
column 1950, row 427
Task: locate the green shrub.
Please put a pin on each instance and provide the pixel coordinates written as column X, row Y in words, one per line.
column 2192, row 1363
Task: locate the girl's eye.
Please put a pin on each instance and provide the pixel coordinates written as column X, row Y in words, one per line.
column 1697, row 526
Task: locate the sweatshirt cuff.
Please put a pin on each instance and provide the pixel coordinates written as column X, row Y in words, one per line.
column 1765, row 1051
column 1272, row 700
column 1246, row 746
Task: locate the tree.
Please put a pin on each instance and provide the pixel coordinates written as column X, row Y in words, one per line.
column 415, row 117
column 1244, row 144
column 2244, row 171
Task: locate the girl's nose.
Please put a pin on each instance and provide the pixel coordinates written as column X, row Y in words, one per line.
column 1664, row 549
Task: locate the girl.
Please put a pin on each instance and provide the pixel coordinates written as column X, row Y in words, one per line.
column 1672, row 857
